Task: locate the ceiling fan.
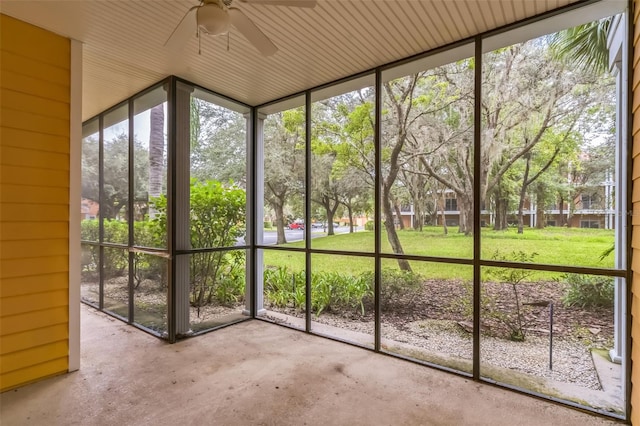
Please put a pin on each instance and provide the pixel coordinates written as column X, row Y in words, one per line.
column 216, row 17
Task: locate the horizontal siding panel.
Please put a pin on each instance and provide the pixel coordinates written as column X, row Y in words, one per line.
column 34, row 320
column 635, row 174
column 32, row 356
column 635, row 258
column 635, row 148
column 19, row 101
column 636, row 125
column 34, row 42
column 34, row 176
column 32, row 67
column 12, row 156
column 34, row 284
column 24, row 249
column 33, row 213
column 35, row 86
column 28, row 139
column 635, row 240
column 34, row 194
column 33, row 121
column 19, row 231
column 635, row 192
column 28, row 339
column 12, row 268
column 33, row 373
column 635, row 215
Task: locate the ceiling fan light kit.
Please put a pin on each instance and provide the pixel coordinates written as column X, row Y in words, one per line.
column 217, row 17
column 213, row 19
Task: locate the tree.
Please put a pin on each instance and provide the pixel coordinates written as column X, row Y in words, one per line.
column 218, row 146
column 115, row 174
column 283, row 162
column 156, row 154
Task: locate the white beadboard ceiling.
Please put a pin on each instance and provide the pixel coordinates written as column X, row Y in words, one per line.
column 123, row 41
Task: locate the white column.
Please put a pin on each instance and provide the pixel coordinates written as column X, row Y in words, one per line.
column 255, row 213
column 617, row 58
column 75, row 178
column 183, row 207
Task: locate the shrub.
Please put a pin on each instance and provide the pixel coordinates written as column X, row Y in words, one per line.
column 283, row 288
column 369, row 226
column 588, row 291
column 395, row 285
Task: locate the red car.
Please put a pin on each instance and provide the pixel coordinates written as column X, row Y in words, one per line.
column 296, row 225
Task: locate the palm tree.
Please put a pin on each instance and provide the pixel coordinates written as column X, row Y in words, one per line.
column 156, row 154
column 584, row 45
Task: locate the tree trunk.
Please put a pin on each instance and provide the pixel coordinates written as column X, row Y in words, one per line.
column 444, row 215
column 396, row 208
column 392, row 235
column 156, row 154
column 540, row 219
column 501, row 212
column 281, row 236
column 350, row 212
column 523, row 194
column 561, row 210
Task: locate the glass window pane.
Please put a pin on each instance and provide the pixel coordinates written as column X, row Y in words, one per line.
column 116, row 281
column 217, row 289
column 284, row 287
column 150, row 169
column 284, row 182
column 115, row 201
column 150, row 287
column 548, row 157
column 427, row 161
column 90, row 203
column 342, row 298
column 218, row 196
column 90, row 274
column 552, row 334
column 427, row 312
column 342, row 177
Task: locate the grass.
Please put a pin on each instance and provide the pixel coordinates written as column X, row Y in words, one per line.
column 558, row 246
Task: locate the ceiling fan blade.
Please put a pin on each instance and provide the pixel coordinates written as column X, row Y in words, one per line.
column 186, row 28
column 260, row 41
column 290, row 3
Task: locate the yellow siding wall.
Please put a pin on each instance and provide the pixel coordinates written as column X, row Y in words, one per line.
column 34, row 202
column 635, row 284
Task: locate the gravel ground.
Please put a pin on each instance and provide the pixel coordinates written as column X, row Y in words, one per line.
column 572, row 362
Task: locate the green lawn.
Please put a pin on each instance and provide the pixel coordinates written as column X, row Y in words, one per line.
column 566, row 246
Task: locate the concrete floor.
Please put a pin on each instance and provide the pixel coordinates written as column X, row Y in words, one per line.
column 256, row 373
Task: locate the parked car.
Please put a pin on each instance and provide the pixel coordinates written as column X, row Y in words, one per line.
column 296, row 225
column 317, row 225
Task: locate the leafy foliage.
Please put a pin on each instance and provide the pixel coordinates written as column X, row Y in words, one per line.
column 333, row 291
column 512, row 318
column 217, row 220
column 587, row 291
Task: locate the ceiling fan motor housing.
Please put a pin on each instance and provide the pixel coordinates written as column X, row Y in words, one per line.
column 213, row 19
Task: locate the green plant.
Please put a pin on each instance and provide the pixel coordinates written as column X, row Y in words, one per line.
column 511, row 317
column 588, row 291
column 323, row 291
column 395, row 285
column 369, row 226
column 283, row 288
column 216, row 220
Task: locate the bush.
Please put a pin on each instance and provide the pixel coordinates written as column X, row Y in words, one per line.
column 369, row 226
column 283, row 288
column 588, row 291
